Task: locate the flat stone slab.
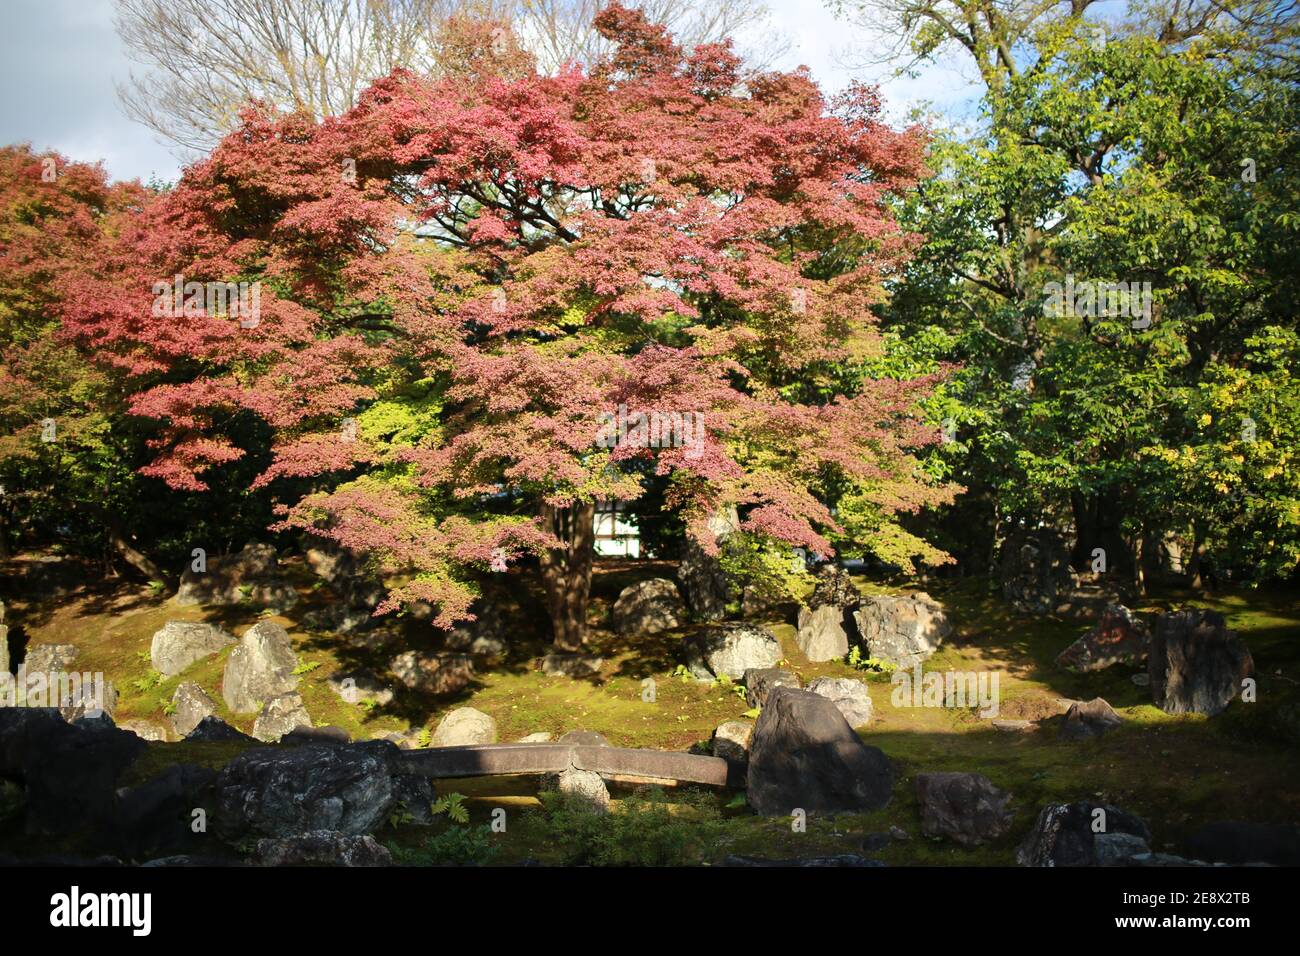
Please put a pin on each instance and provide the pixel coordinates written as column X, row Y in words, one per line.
column 486, row 760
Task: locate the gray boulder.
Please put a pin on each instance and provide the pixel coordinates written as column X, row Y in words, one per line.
column 281, row 792
column 146, row 730
column 261, row 667
column 356, row 686
column 178, row 644
column 1119, row 637
column 92, row 698
column 584, row 787
column 1089, row 718
column 731, row 649
column 731, row 740
column 648, row 607
column 570, row 664
column 902, row 630
column 190, row 704
column 804, row 755
column 850, row 696
column 431, row 673
column 1197, row 665
column 280, row 716
column 823, row 633
column 322, row 848
column 50, row 658
column 963, row 807
column 759, row 682
column 464, row 726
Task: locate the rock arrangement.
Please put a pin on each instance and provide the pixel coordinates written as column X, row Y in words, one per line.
column 826, row 627
column 1196, row 665
column 700, row 574
column 250, row 575
column 823, row 633
column 190, row 704
column 432, row 673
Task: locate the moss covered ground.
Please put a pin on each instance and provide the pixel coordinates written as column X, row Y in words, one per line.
column 1178, row 772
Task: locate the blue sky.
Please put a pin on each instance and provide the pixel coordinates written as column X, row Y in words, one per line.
column 60, row 60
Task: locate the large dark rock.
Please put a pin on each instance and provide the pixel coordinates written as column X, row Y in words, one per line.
column 904, row 630
column 731, row 650
column 648, row 607
column 69, row 773
column 157, row 818
column 837, row 861
column 1119, row 637
column 278, row 792
column 212, row 728
column 1073, row 834
column 322, row 848
column 1197, row 665
column 1235, row 842
column 963, row 807
column 804, row 755
column 1035, row 570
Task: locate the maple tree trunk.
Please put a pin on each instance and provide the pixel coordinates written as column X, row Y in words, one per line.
column 134, row 557
column 566, row 571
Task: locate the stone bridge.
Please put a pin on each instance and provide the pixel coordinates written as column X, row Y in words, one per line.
column 620, row 764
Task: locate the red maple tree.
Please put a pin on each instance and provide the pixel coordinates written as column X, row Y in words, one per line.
column 462, row 278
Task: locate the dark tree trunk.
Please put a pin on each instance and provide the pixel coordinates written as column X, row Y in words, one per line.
column 1097, row 525
column 136, row 558
column 566, row 571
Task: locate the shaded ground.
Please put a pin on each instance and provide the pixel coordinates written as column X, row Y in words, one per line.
column 1177, row 772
